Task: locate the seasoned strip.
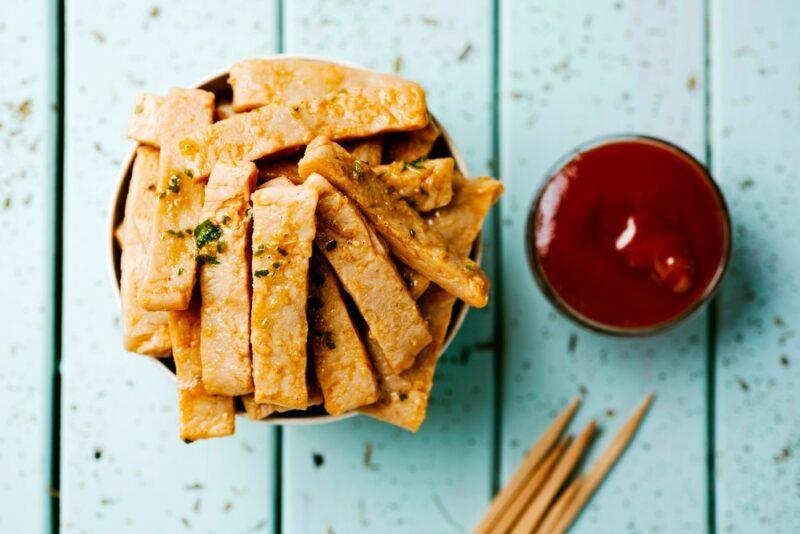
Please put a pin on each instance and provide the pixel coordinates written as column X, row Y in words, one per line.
column 426, row 184
column 370, row 151
column 258, row 82
column 144, row 126
column 341, row 363
column 410, row 238
column 202, row 415
column 171, row 257
column 225, row 279
column 145, row 332
column 460, row 223
column 404, row 396
column 369, row 277
column 410, row 146
column 283, row 230
column 279, row 127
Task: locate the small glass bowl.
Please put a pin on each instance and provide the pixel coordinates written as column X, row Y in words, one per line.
column 603, row 328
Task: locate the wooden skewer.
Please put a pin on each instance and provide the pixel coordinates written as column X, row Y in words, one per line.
column 531, row 461
column 602, row 466
column 532, row 486
column 534, row 514
column 557, row 510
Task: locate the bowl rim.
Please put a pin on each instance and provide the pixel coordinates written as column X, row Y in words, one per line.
column 116, row 210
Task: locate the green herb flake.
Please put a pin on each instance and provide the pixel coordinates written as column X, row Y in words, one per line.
column 162, row 195
column 259, row 250
column 226, row 220
column 207, row 259
column 342, row 91
column 412, row 233
column 470, row 267
column 261, row 273
column 180, row 271
column 415, row 165
column 221, row 247
column 174, row 184
column 282, row 251
column 276, row 265
column 175, row 233
column 189, row 173
column 358, row 169
column 206, row 232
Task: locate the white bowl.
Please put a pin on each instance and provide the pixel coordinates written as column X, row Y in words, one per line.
column 217, row 83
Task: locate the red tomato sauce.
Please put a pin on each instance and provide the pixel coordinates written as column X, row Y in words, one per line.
column 630, row 234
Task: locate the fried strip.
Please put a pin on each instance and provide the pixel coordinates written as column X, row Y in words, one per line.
column 404, row 396
column 258, row 82
column 171, row 257
column 257, row 411
column 144, row 126
column 370, row 151
column 410, row 238
column 283, row 229
column 369, row 277
column 460, row 223
column 145, row 332
column 341, row 363
column 202, row 415
column 426, row 184
column 277, row 128
column 410, row 146
column 225, row 281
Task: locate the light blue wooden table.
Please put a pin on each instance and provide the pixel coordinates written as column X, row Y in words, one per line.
column 88, row 440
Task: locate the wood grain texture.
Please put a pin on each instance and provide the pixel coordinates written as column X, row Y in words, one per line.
column 361, row 475
column 756, row 135
column 27, row 185
column 123, row 467
column 571, row 71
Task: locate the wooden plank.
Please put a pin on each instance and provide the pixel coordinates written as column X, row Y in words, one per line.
column 123, row 466
column 571, row 71
column 361, row 475
column 756, row 120
column 27, row 182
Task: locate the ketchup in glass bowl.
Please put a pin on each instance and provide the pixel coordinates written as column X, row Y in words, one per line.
column 629, row 235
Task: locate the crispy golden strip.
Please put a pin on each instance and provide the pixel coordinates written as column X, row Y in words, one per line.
column 404, row 396
column 145, row 332
column 410, row 146
column 171, row 257
column 369, row 277
column 279, row 127
column 341, row 363
column 410, row 238
column 144, row 126
column 460, row 223
column 225, row 280
column 258, row 82
column 283, row 230
column 202, row 415
column 426, row 184
column 370, row 151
